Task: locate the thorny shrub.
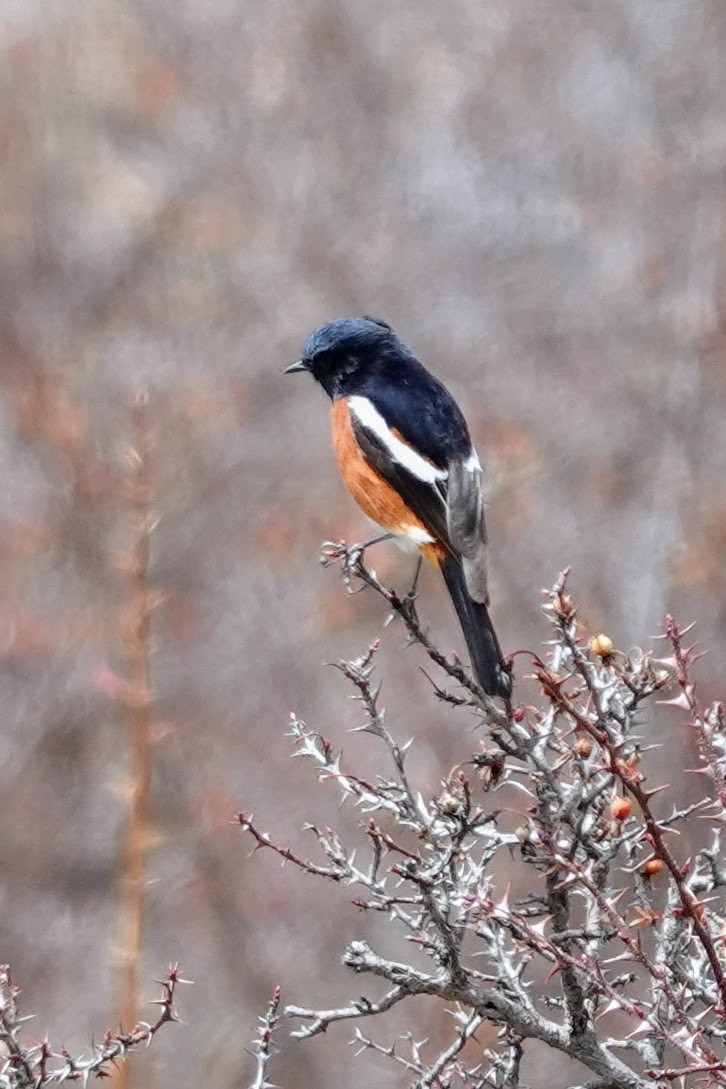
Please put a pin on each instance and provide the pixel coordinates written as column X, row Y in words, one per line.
column 545, row 882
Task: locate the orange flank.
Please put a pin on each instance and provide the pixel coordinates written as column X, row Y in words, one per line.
column 373, row 494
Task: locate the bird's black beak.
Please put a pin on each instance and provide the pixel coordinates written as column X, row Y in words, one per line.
column 295, row 368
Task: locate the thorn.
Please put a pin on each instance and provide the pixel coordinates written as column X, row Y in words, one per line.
column 680, row 701
column 656, row 790
column 558, row 966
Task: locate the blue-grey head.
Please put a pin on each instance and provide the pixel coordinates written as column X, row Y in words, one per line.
column 341, row 353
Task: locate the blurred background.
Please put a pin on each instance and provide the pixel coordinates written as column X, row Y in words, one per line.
column 533, row 195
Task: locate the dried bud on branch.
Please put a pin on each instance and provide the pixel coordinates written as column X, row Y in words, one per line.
column 621, row 808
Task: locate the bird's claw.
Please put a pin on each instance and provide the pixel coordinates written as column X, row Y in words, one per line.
column 351, row 555
column 408, row 602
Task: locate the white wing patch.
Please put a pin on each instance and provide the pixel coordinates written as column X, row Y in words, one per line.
column 414, row 463
column 418, row 536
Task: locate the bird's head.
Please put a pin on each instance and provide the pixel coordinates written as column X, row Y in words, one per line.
column 342, row 352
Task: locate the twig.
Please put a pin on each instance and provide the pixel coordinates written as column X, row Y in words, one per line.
column 405, row 608
column 263, row 1043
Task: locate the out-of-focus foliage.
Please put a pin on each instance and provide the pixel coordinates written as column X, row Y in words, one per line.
column 533, row 195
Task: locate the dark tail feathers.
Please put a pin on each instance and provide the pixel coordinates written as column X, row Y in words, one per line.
column 481, row 640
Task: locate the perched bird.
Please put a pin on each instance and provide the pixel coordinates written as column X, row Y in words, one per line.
column 403, row 449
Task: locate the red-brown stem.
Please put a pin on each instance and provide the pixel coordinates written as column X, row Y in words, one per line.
column 673, row 1074
column 378, row 834
column 137, row 700
column 285, row 853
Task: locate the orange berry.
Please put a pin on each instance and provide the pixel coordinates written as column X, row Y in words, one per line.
column 653, row 866
column 601, row 645
column 621, row 808
column 583, row 746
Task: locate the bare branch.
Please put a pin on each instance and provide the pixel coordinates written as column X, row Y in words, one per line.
column 33, row 1066
column 263, row 1043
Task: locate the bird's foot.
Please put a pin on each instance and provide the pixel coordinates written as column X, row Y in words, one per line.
column 408, row 601
column 350, row 554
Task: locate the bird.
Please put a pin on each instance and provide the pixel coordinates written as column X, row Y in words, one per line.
column 404, row 451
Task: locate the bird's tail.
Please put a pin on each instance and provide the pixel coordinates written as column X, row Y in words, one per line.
column 481, row 639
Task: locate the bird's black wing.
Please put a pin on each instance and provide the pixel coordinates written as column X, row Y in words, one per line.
column 422, row 411
column 426, row 498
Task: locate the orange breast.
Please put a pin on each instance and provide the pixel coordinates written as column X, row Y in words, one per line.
column 373, row 494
